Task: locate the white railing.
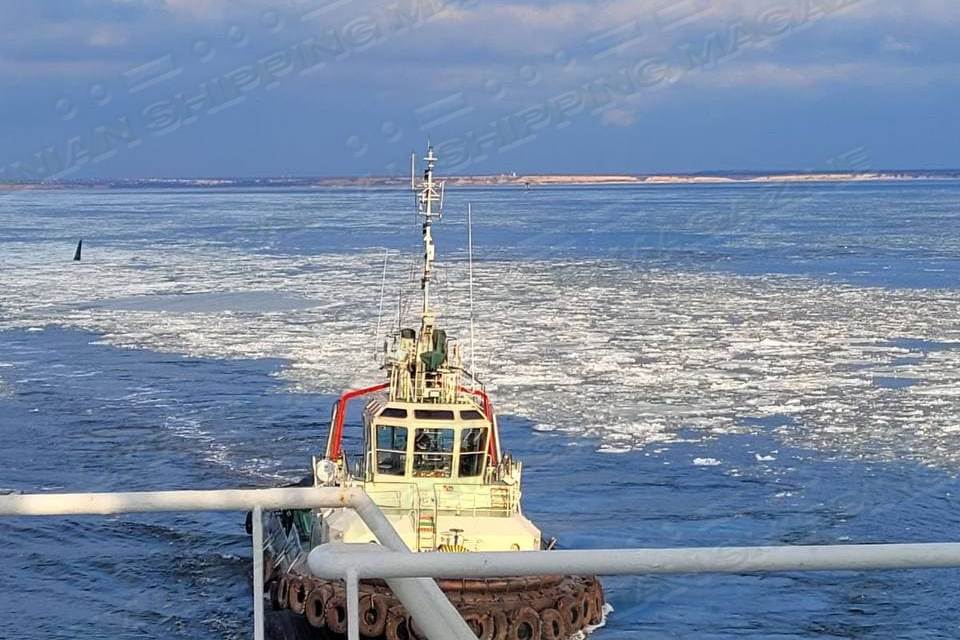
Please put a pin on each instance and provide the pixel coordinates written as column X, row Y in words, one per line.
column 410, row 575
column 332, row 561
column 421, row 596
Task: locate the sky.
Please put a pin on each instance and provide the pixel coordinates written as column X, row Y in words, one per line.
column 216, row 88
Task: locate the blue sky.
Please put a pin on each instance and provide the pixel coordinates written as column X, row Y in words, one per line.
column 187, row 88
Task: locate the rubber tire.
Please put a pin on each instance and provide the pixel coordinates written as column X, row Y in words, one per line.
column 335, row 613
column 283, row 592
column 397, row 628
column 569, row 608
column 297, row 594
column 315, row 607
column 501, row 626
column 273, row 589
column 373, row 615
column 525, row 625
column 480, row 623
column 586, row 606
column 599, row 602
column 552, row 626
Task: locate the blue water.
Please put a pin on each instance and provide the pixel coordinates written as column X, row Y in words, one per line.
column 79, row 414
column 890, row 234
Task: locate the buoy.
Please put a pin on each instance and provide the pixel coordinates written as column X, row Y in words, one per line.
column 79, row 251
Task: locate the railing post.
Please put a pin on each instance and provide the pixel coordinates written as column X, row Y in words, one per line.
column 258, row 622
column 353, row 605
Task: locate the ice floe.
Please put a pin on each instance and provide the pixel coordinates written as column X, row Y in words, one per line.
column 706, row 462
column 603, row 349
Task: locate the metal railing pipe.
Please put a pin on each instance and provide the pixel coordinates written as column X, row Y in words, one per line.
column 353, row 606
column 326, row 562
column 437, row 617
column 258, row 616
column 76, row 504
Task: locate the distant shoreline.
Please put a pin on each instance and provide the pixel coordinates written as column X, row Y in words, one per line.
column 511, row 180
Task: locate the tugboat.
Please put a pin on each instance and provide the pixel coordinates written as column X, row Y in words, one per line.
column 431, row 459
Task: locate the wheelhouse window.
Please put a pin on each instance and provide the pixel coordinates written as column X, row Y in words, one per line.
column 433, row 453
column 391, row 450
column 473, row 448
column 433, row 414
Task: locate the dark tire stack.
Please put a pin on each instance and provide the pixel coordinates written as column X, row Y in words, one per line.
column 541, row 608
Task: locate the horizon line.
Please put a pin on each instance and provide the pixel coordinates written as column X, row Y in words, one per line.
column 720, row 175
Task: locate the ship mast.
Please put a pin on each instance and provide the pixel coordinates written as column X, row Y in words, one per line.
column 429, row 204
column 425, row 366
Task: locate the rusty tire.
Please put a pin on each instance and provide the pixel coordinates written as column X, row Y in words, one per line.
column 501, row 626
column 297, row 594
column 314, row 609
column 397, row 628
column 416, row 633
column 481, row 624
column 273, row 590
column 335, row 613
column 596, row 593
column 373, row 615
column 569, row 610
column 551, row 625
column 525, row 625
column 283, row 591
column 586, row 607
column 590, row 602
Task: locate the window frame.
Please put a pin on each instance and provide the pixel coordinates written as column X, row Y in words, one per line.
column 480, row 453
column 403, row 453
column 451, row 455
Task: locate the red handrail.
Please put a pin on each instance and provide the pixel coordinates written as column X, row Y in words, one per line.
column 334, row 444
column 488, row 410
column 335, row 441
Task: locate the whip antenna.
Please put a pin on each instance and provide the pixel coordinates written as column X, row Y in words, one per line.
column 383, row 284
column 413, row 172
column 473, row 372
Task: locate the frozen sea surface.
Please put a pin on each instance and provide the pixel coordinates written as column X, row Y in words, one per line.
column 712, row 365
